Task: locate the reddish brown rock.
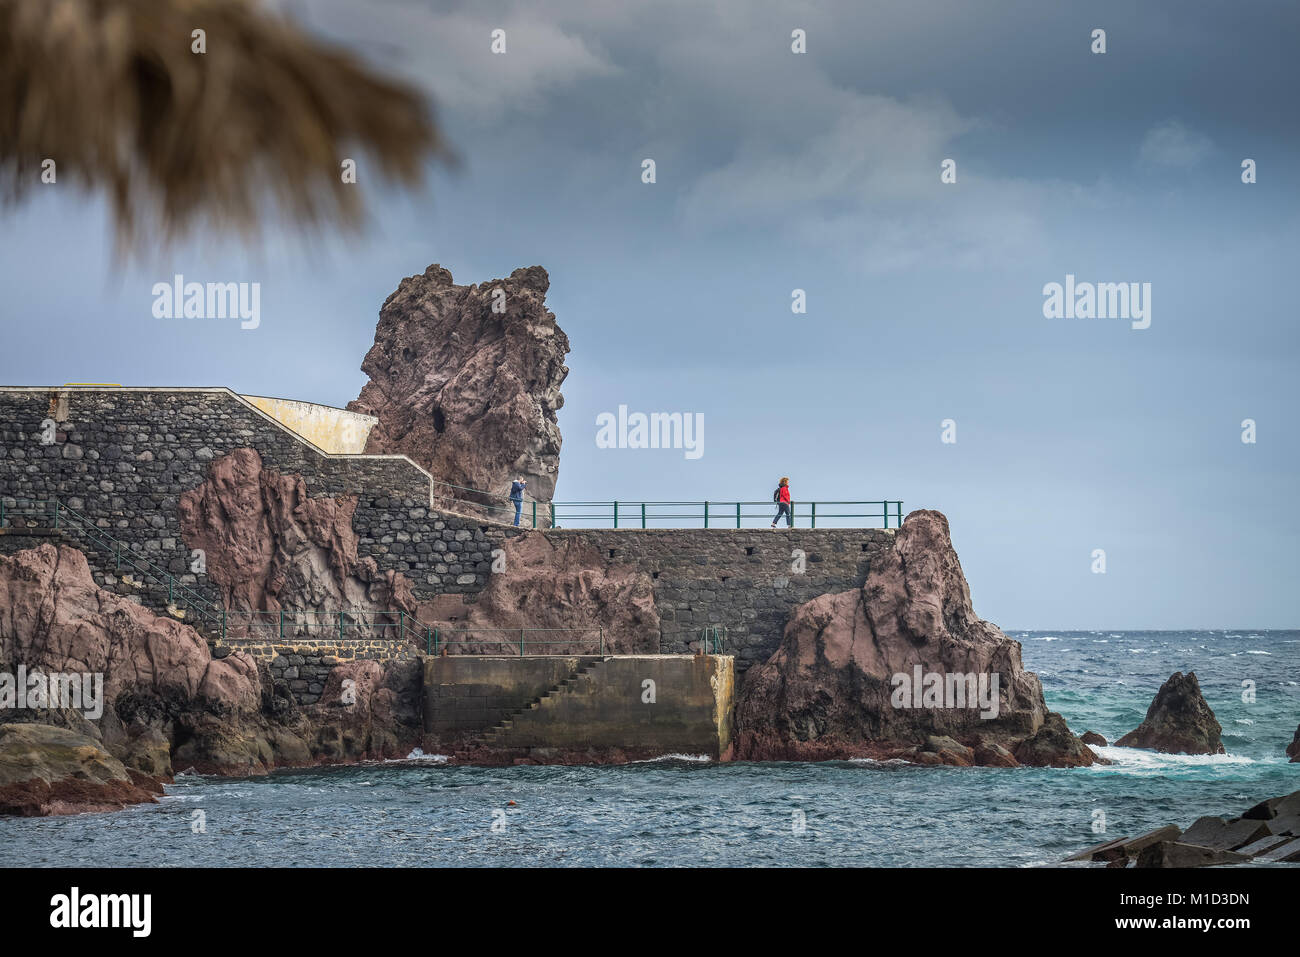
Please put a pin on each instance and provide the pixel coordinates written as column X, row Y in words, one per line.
column 828, row 690
column 469, row 393
column 49, row 770
column 1179, row 721
column 269, row 546
column 1093, row 738
column 558, row 583
column 167, row 703
column 54, row 617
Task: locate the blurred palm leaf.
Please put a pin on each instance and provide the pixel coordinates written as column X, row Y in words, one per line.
column 111, row 91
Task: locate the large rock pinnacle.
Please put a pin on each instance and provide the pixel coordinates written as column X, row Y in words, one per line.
column 466, row 381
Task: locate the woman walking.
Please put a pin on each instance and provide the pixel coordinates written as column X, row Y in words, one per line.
column 782, row 497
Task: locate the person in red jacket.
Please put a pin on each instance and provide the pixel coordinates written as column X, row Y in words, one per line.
column 782, row 498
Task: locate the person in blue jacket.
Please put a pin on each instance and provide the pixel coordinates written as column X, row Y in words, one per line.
column 517, row 496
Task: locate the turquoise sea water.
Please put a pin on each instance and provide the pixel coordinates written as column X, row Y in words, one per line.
column 691, row 812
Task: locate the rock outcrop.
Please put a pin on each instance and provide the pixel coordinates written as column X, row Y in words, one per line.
column 50, row 770
column 465, row 380
column 1179, row 721
column 1293, row 749
column 167, row 704
column 544, row 583
column 875, row 672
column 269, row 546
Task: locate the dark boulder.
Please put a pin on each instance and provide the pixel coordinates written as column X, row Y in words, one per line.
column 1179, row 721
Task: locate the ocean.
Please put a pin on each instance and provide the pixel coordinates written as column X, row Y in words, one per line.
column 687, row 811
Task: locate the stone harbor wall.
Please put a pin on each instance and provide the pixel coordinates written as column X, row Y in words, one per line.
column 745, row 580
column 122, row 458
column 305, row 665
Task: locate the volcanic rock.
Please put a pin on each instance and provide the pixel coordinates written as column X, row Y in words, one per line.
column 827, row 691
column 168, row 704
column 1179, row 721
column 54, row 617
column 1093, row 738
column 465, row 380
column 1293, row 749
column 269, row 546
column 553, row 581
column 49, row 770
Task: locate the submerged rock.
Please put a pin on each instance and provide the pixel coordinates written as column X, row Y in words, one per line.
column 466, row 381
column 1179, row 721
column 840, row 684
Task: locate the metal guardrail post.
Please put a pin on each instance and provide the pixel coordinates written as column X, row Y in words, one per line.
column 401, row 626
column 706, row 514
column 534, row 513
column 340, row 626
column 885, row 509
column 616, row 514
column 55, row 503
column 813, row 519
column 643, row 514
column 521, row 642
column 281, row 624
column 602, row 641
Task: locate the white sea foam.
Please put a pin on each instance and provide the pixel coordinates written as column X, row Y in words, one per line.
column 419, row 755
column 1138, row 761
column 693, row 758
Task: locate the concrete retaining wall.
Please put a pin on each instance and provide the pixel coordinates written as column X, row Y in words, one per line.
column 332, row 430
column 646, row 704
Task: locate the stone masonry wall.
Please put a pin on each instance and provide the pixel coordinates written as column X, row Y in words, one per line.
column 746, row 580
column 304, row 665
column 123, row 457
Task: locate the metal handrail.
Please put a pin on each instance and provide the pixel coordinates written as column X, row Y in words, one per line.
column 720, row 513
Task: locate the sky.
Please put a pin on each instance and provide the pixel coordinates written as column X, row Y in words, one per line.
column 820, row 171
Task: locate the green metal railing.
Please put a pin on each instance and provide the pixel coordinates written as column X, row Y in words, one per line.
column 707, row 514
column 712, row 514
column 442, row 638
column 713, row 639
column 61, row 517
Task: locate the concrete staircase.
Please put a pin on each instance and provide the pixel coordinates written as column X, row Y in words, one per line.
column 499, row 735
